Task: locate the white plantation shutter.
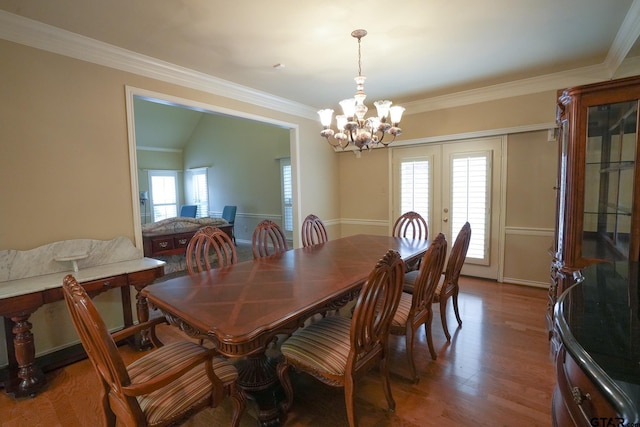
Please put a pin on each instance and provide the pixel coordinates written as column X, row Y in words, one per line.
column 470, row 200
column 287, row 195
column 200, row 190
column 415, row 178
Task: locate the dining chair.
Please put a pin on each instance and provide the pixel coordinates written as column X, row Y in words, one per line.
column 448, row 285
column 415, row 310
column 163, row 387
column 411, row 225
column 268, row 239
column 205, row 241
column 338, row 350
column 313, row 231
column 188, row 211
column 229, row 215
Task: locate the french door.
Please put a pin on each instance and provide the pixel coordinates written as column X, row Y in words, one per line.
column 451, row 183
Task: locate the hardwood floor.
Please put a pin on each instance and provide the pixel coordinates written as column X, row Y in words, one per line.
column 496, row 371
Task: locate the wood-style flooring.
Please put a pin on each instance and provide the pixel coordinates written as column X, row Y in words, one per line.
column 496, row 371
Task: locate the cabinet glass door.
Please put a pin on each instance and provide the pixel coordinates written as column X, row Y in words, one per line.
column 609, row 180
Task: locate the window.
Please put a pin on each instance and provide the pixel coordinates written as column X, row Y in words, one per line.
column 414, row 187
column 200, row 192
column 163, row 188
column 470, row 199
column 287, row 195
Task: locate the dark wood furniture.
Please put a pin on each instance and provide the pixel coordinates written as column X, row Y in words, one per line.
column 151, row 390
column 268, row 239
column 165, row 243
column 23, row 375
column 416, row 308
column 204, row 243
column 412, row 225
column 598, row 220
column 598, row 361
column 243, row 307
column 339, row 350
column 313, row 231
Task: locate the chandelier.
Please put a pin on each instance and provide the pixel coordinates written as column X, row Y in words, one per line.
column 353, row 127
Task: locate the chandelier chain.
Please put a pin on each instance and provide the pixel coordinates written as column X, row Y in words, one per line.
column 359, row 57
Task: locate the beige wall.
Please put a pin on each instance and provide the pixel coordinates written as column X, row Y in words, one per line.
column 65, row 149
column 64, row 164
column 65, row 169
column 365, row 194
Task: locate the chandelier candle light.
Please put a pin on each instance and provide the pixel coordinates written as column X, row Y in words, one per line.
column 353, row 127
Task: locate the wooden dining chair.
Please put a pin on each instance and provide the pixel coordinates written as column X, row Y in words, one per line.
column 313, row 231
column 411, row 225
column 415, row 310
column 163, row 387
column 448, row 285
column 268, row 239
column 337, row 350
column 201, row 246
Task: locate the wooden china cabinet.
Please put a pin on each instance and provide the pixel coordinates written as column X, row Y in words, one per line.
column 593, row 297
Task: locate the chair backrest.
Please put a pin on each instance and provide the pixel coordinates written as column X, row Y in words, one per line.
column 430, row 271
column 375, row 307
column 268, row 239
column 188, row 211
column 206, row 240
column 411, row 224
column 458, row 254
column 313, row 231
column 229, row 213
column 99, row 345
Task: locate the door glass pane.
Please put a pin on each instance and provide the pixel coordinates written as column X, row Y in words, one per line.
column 470, row 200
column 414, row 187
column 609, row 177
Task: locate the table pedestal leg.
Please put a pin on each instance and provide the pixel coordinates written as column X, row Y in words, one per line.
column 258, row 380
column 30, row 377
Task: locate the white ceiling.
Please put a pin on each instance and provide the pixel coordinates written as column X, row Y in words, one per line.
column 415, row 49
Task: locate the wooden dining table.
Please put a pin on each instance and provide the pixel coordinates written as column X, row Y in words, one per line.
column 243, row 308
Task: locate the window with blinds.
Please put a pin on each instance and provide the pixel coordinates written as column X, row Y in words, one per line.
column 287, row 195
column 415, row 179
column 200, row 189
column 163, row 186
column 470, row 199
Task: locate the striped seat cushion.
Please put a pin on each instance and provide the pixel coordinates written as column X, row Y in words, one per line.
column 177, row 397
column 410, row 280
column 402, row 313
column 323, row 346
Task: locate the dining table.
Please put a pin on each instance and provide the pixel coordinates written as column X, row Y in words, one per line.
column 242, row 309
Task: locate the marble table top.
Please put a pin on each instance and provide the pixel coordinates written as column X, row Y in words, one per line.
column 33, row 284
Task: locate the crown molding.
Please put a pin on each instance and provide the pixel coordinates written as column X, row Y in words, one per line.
column 164, row 150
column 35, row 34
column 627, row 35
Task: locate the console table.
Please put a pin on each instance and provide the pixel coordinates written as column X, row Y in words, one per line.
column 162, row 243
column 124, row 267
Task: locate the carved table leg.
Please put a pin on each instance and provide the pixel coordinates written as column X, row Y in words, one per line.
column 142, row 309
column 30, row 376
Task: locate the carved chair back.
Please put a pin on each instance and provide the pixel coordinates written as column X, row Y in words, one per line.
column 100, row 347
column 411, row 224
column 268, row 239
column 313, row 231
column 207, row 240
